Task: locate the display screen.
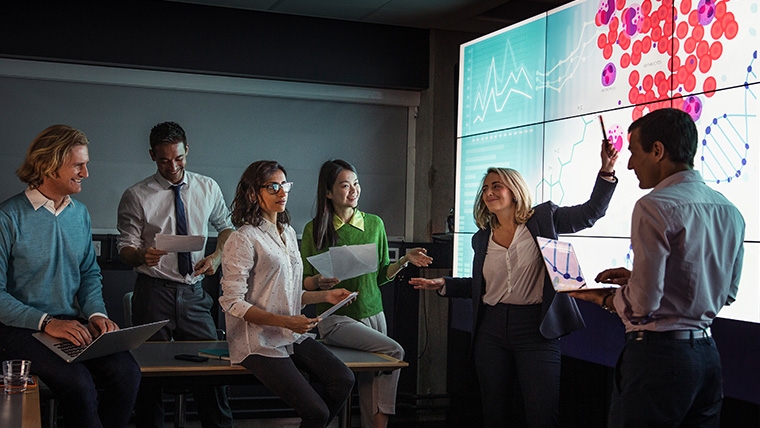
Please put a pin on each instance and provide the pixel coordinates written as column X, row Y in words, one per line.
column 531, row 95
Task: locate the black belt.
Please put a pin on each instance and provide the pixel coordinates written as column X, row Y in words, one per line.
column 668, row 335
column 163, row 281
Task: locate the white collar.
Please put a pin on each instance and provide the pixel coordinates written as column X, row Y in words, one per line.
column 37, row 199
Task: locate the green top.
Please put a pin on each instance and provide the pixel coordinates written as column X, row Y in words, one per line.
column 369, row 302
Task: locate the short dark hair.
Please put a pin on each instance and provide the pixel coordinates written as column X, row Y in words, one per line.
column 167, row 133
column 674, row 128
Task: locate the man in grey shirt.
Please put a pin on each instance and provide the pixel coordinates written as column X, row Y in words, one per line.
column 688, row 249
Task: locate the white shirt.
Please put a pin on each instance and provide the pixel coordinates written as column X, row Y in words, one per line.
column 38, row 200
column 688, row 250
column 147, row 209
column 261, row 268
column 514, row 275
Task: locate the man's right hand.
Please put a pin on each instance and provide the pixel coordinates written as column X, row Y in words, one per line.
column 152, row 256
column 71, row 330
column 617, row 276
column 137, row 257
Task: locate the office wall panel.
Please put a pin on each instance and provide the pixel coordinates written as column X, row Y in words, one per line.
column 227, row 129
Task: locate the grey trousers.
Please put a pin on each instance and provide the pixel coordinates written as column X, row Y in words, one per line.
column 377, row 390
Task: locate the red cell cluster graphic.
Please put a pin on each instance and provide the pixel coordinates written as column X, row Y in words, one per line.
column 689, row 37
column 616, row 135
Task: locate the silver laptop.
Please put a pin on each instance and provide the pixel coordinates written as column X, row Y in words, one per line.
column 563, row 267
column 109, row 343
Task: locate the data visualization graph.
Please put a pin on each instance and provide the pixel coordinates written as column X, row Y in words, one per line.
column 501, row 89
column 531, row 95
column 562, row 264
column 519, row 148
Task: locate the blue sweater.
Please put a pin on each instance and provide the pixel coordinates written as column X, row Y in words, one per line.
column 47, row 263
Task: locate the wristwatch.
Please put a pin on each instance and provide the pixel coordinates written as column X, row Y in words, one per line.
column 610, row 309
column 46, row 321
column 402, row 265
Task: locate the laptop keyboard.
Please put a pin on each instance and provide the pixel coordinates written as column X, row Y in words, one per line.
column 70, row 349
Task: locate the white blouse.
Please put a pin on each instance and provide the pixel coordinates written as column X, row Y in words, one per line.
column 260, row 268
column 514, row 275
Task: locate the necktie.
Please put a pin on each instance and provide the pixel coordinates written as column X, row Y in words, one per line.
column 183, row 259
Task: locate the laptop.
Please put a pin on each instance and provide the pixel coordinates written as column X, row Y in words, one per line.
column 109, row 343
column 562, row 265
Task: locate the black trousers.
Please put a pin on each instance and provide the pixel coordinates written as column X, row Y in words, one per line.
column 667, row 383
column 97, row 393
column 188, row 309
column 513, row 359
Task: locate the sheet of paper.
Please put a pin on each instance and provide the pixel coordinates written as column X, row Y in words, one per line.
column 346, row 262
column 322, row 263
column 180, row 243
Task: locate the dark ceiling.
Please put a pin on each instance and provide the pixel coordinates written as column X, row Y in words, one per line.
column 477, row 16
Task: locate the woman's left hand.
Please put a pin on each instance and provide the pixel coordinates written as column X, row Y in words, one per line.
column 609, row 156
column 418, row 257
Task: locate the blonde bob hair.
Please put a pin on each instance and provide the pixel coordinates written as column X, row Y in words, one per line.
column 520, row 193
column 47, row 153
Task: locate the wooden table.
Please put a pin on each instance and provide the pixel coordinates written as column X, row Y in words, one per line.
column 21, row 410
column 158, row 364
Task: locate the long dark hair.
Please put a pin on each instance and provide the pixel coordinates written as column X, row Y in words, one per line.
column 245, row 206
column 324, row 232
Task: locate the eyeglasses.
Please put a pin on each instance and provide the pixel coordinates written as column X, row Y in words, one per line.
column 274, row 188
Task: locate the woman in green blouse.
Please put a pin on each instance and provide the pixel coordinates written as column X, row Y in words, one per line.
column 360, row 325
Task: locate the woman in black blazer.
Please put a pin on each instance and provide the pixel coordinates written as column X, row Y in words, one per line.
column 518, row 318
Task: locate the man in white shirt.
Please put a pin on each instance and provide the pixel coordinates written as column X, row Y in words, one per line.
column 688, row 245
column 174, row 201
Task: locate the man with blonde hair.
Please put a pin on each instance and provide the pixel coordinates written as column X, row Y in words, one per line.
column 50, row 281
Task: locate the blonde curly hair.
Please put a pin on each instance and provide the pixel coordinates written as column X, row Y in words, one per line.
column 47, row 153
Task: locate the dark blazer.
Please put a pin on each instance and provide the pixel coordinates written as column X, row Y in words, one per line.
column 559, row 314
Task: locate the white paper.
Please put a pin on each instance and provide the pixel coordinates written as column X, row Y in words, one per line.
column 180, row 243
column 346, row 262
column 322, row 264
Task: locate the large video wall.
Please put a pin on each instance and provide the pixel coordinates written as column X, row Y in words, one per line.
column 531, row 95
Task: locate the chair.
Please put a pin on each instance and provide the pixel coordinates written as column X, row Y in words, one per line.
column 180, row 394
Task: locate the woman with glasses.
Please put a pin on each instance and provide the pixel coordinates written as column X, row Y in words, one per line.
column 262, row 300
column 362, row 325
